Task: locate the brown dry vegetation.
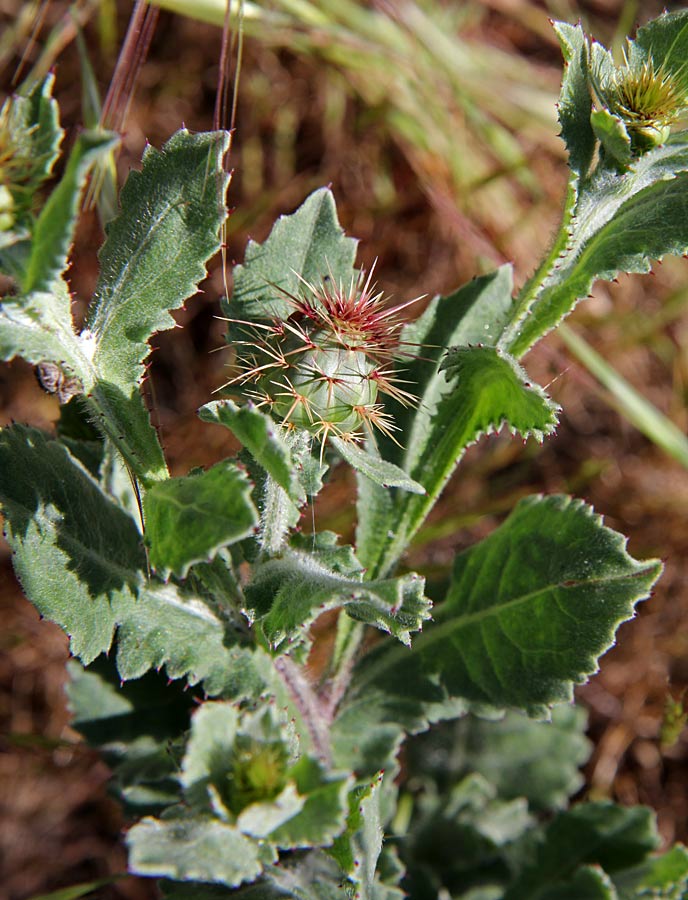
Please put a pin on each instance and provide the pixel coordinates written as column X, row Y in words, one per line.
column 299, row 126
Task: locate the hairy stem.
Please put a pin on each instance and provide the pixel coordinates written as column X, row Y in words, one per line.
column 309, row 706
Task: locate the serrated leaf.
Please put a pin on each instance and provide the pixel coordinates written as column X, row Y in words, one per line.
column 80, row 560
column 529, row 611
column 621, row 222
column 309, row 243
column 53, row 231
column 193, row 847
column 575, row 103
column 378, row 470
column 603, row 834
column 75, row 552
column 486, row 390
column 665, row 41
column 288, row 594
column 476, row 313
column 358, row 849
column 489, row 379
column 189, row 519
column 162, row 627
column 156, row 250
column 262, row 438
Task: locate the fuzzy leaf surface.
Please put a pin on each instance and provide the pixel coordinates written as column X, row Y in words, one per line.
column 53, row 231
column 156, row 250
column 378, row 470
column 288, row 594
column 620, row 223
column 193, row 847
column 189, row 519
column 262, row 438
column 539, row 761
column 38, row 329
column 309, row 243
column 612, row 837
column 307, row 809
column 191, row 639
column 575, row 104
column 665, row 41
column 529, row 611
column 33, row 122
column 358, row 849
column 80, row 560
column 77, row 555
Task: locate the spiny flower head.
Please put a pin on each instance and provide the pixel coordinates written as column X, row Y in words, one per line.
column 648, row 99
column 323, row 367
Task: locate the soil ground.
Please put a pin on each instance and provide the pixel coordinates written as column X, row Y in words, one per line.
column 58, row 824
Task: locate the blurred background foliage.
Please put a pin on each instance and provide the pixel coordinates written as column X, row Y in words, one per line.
column 435, row 124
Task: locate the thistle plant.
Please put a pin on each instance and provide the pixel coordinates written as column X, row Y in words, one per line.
column 323, row 366
column 641, row 99
column 251, row 766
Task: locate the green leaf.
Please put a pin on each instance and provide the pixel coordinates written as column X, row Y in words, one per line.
column 189, row 519
column 81, row 563
column 476, row 313
column 601, row 834
column 529, row 611
column 664, row 877
column 309, row 244
column 611, row 132
column 193, row 847
column 38, row 328
column 162, row 627
column 134, row 726
column 241, row 767
column 575, row 104
column 487, row 389
column 76, row 554
column 53, row 232
column 156, row 250
column 587, row 883
column 358, row 849
column 31, row 118
column 461, row 837
column 522, row 758
column 378, row 470
column 288, row 594
column 263, row 439
column 621, row 222
column 323, row 815
column 665, row 41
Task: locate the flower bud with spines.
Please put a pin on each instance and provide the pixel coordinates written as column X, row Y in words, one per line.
column 323, row 367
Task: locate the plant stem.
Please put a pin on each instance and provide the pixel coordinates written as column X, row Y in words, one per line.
column 533, row 285
column 309, row 706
